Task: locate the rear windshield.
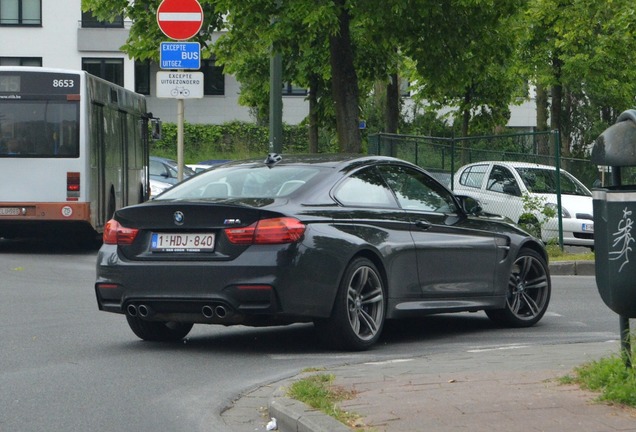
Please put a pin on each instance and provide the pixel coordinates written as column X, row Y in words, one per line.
column 243, row 182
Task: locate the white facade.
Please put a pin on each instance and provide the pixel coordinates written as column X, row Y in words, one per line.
column 61, row 42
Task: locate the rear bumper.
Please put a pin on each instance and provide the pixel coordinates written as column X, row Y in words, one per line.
column 573, row 232
column 266, row 283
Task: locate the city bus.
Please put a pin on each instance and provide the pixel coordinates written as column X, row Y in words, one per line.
column 73, row 149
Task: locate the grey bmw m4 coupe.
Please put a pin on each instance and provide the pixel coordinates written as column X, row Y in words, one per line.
column 343, row 241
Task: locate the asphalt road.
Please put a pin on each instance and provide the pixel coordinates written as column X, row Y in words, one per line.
column 65, row 366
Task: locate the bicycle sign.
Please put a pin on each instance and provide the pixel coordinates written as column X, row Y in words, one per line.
column 180, row 85
column 180, row 91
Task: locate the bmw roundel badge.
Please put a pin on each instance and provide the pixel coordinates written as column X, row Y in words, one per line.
column 178, row 218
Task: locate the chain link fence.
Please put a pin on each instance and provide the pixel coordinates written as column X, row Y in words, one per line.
column 442, row 157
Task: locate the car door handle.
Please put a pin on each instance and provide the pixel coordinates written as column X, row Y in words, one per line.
column 422, row 224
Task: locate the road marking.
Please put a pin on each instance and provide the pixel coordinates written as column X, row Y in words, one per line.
column 511, row 347
column 382, row 363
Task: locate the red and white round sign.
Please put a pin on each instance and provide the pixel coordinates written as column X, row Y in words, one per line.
column 180, row 19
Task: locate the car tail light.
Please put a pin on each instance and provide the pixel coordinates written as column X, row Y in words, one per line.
column 72, row 186
column 115, row 233
column 268, row 231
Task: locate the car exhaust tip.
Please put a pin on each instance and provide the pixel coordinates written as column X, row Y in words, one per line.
column 221, row 311
column 144, row 311
column 207, row 311
column 132, row 310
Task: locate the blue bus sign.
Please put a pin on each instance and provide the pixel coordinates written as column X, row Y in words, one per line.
column 180, row 55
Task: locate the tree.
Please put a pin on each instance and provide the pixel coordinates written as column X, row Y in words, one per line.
column 323, row 43
column 465, row 56
column 584, row 52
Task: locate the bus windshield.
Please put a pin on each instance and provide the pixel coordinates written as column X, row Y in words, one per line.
column 39, row 128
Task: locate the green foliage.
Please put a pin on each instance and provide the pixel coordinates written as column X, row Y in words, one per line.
column 610, row 376
column 532, row 206
column 475, row 57
column 557, row 254
column 234, row 140
column 318, row 392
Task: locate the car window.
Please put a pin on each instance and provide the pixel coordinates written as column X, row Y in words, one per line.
column 158, row 168
column 541, row 180
column 243, row 182
column 365, row 188
column 473, row 176
column 417, row 191
column 502, row 180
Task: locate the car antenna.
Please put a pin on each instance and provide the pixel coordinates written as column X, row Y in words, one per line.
column 273, row 159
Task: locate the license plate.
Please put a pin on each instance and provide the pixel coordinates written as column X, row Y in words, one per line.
column 182, row 242
column 588, row 227
column 9, row 211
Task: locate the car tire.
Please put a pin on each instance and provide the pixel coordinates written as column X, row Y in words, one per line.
column 528, row 292
column 158, row 331
column 359, row 311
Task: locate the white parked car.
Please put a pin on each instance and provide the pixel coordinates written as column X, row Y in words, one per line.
column 500, row 187
column 156, row 187
column 197, row 168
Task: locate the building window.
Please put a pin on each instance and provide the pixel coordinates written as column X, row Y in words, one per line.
column 89, row 21
column 405, row 88
column 290, row 89
column 21, row 61
column 110, row 69
column 213, row 78
column 142, row 77
column 21, row 12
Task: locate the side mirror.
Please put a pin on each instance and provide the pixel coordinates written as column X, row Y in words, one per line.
column 156, row 128
column 511, row 189
column 470, row 205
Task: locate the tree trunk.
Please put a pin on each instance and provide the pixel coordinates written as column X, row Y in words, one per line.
column 392, row 109
column 344, row 85
column 465, row 153
column 314, row 89
column 541, row 100
column 542, row 108
column 557, row 99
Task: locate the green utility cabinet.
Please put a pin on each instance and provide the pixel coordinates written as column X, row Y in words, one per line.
column 615, row 218
column 615, row 249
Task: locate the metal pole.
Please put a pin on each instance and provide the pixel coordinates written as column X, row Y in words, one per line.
column 275, row 95
column 276, row 104
column 180, row 119
column 557, row 154
column 626, row 346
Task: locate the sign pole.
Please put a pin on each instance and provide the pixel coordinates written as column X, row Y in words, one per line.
column 180, row 20
column 180, row 121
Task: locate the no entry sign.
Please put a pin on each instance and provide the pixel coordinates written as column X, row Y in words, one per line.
column 180, row 19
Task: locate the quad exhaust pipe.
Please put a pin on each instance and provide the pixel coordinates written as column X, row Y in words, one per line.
column 219, row 311
column 208, row 311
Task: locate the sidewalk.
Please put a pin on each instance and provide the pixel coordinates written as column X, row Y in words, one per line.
column 509, row 388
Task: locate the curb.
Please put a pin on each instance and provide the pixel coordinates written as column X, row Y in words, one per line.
column 295, row 416
column 572, row 268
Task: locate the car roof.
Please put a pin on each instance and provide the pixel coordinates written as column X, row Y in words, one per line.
column 513, row 164
column 328, row 160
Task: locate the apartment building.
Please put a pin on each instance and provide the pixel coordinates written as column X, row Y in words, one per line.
column 56, row 33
